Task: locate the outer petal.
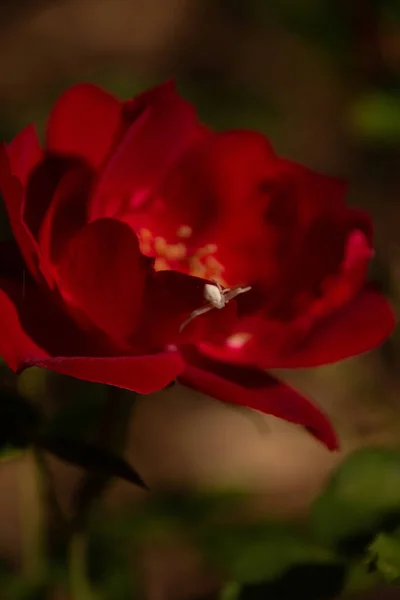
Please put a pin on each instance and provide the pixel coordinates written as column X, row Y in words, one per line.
column 66, row 214
column 255, row 389
column 24, row 153
column 16, row 162
column 163, row 126
column 41, row 186
column 16, row 345
column 84, row 122
column 363, row 324
column 143, row 374
column 102, row 273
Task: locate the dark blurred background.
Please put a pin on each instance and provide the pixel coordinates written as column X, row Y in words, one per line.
column 321, row 78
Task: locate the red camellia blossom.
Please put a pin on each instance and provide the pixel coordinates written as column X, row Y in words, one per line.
column 125, row 214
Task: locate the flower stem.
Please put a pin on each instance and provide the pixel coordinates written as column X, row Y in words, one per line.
column 34, row 562
column 80, row 588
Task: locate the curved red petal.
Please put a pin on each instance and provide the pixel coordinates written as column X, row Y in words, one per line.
column 14, row 196
column 318, row 194
column 41, row 186
column 102, row 273
column 163, row 126
column 143, row 374
column 247, row 386
column 66, row 214
column 24, row 152
column 84, row 122
column 363, row 324
column 16, row 345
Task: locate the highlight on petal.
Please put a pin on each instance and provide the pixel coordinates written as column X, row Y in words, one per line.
column 256, row 389
column 102, row 273
column 84, row 121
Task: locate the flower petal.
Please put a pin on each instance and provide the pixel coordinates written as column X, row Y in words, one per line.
column 248, row 386
column 102, row 273
column 163, row 126
column 66, row 214
column 84, row 122
column 16, row 345
column 42, row 184
column 363, row 324
column 14, row 195
column 24, row 152
column 143, row 374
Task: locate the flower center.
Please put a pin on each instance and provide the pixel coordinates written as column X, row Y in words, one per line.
column 199, row 263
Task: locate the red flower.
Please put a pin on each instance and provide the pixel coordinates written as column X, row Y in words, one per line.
column 231, row 209
column 220, row 206
column 87, row 302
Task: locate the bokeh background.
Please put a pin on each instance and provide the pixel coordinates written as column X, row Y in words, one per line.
column 321, row 78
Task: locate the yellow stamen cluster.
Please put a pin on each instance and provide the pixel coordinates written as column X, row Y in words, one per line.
column 200, row 264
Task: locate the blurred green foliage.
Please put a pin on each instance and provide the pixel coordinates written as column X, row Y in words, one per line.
column 362, row 496
column 375, row 118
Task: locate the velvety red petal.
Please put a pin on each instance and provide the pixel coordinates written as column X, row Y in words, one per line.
column 84, row 122
column 66, row 214
column 318, row 194
column 14, row 195
column 163, row 127
column 215, row 183
column 44, row 318
column 141, row 374
column 363, row 324
column 247, row 386
column 16, row 345
column 42, row 184
column 102, row 273
column 24, row 152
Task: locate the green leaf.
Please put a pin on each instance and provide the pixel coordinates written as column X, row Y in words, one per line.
column 386, row 549
column 362, row 496
column 83, row 454
column 362, row 575
column 260, row 552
